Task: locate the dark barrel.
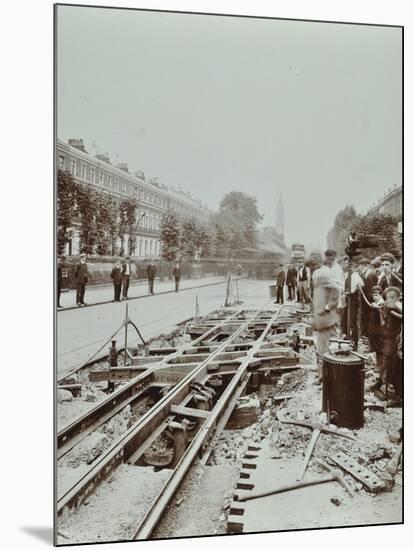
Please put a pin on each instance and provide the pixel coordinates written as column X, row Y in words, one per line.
column 343, row 389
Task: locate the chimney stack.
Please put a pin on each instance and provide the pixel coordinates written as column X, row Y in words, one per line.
column 140, row 174
column 78, row 144
column 104, row 157
column 123, row 166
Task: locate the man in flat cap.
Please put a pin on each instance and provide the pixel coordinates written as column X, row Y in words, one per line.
column 280, row 284
column 326, row 300
column 363, row 267
column 391, row 323
column 81, row 278
column 370, row 280
column 397, row 268
column 336, row 270
column 376, row 334
column 387, row 277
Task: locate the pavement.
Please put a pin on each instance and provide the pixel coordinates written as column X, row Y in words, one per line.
column 81, row 332
column 100, row 294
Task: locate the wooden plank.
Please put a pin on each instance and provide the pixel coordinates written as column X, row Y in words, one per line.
column 188, row 411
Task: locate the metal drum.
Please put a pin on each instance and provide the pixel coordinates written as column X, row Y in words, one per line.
column 343, row 389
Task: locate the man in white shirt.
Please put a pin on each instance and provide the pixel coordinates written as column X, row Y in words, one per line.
column 126, row 275
column 303, row 283
column 336, row 270
column 351, row 299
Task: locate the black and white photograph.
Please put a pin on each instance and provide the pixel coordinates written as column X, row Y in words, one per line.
column 229, row 274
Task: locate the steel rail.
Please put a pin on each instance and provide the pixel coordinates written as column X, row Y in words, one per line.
column 206, row 433
column 85, row 424
column 142, row 429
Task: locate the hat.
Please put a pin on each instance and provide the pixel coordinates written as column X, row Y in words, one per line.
column 82, row 256
column 387, row 257
column 376, row 288
column 363, row 261
column 393, row 289
column 396, row 252
column 330, row 253
column 376, row 262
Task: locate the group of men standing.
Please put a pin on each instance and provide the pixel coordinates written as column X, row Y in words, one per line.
column 298, row 281
column 120, row 274
column 371, row 289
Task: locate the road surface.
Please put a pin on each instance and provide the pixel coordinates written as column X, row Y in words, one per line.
column 82, row 331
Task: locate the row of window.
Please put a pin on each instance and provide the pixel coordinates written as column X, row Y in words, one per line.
column 92, row 175
column 148, row 248
column 149, row 221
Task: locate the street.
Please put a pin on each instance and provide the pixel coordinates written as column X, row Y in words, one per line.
column 81, row 332
column 105, row 293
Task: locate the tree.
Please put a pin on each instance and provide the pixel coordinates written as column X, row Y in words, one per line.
column 171, row 236
column 66, row 191
column 127, row 224
column 383, row 226
column 337, row 237
column 236, row 224
column 85, row 208
column 189, row 237
column 106, row 223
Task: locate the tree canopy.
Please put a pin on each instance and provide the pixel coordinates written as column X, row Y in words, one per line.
column 235, row 224
column 337, row 237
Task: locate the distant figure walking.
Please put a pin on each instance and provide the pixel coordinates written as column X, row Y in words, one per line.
column 126, row 275
column 291, row 281
column 116, row 276
column 177, row 276
column 81, row 278
column 151, row 271
column 280, row 283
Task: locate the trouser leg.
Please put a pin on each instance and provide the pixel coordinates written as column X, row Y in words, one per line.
column 300, row 293
column 344, row 320
column 354, row 321
column 364, row 316
column 306, row 294
column 59, row 290
column 125, row 286
column 83, row 293
column 323, row 346
column 390, row 354
column 80, row 293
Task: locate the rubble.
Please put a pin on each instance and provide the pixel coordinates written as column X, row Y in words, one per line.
column 64, row 396
column 245, row 413
column 87, row 450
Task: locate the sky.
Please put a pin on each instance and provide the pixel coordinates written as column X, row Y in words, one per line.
column 311, row 111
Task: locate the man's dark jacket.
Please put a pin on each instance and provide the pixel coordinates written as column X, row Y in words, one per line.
column 116, row 275
column 81, row 273
column 151, row 271
column 280, row 278
column 291, row 276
